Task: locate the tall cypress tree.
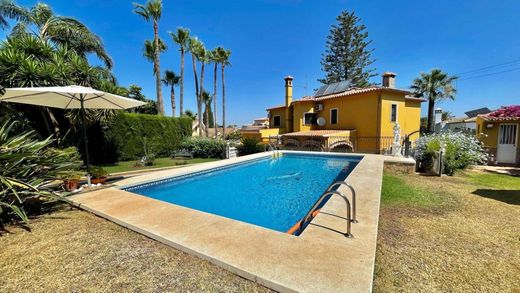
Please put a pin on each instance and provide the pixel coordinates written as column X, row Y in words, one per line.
column 347, row 56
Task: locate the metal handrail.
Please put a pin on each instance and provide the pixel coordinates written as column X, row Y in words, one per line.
column 308, row 216
column 273, row 149
column 353, row 191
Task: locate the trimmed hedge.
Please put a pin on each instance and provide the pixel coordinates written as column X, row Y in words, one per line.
column 162, row 135
column 250, row 146
column 205, row 147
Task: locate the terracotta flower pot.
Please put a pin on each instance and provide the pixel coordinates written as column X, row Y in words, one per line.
column 71, row 184
column 101, row 180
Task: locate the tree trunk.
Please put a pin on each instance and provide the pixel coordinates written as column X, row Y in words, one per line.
column 157, row 70
column 181, row 98
column 215, row 99
column 55, row 125
column 201, row 91
column 172, row 94
column 208, row 106
column 45, row 121
column 196, row 86
column 223, row 102
column 431, row 115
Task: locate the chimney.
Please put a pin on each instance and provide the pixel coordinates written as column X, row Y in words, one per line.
column 437, row 115
column 288, row 90
column 389, row 79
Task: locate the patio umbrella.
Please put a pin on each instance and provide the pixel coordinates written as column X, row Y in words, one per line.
column 70, row 97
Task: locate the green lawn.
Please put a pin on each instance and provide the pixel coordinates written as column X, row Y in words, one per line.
column 492, row 180
column 159, row 163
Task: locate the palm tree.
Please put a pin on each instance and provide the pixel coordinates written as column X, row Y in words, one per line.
column 151, row 11
column 434, row 86
column 171, row 79
column 206, row 99
column 149, row 50
column 203, row 57
column 215, row 60
column 8, row 9
column 190, row 114
column 182, row 38
column 223, row 58
column 196, row 48
column 41, row 21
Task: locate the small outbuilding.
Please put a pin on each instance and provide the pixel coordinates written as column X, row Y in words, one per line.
column 500, row 131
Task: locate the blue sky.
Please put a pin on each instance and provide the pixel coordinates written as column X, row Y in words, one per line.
column 270, row 39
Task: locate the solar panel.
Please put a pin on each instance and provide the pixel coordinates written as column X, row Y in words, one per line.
column 474, row 113
column 321, row 90
column 333, row 88
column 342, row 86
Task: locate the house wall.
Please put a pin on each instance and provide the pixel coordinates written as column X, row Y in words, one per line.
column 355, row 112
column 298, row 110
column 489, row 137
column 408, row 115
column 277, row 112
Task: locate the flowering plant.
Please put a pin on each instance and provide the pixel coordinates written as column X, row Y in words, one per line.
column 508, row 111
column 460, row 150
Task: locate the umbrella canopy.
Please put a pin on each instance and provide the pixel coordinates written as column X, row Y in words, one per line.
column 68, row 97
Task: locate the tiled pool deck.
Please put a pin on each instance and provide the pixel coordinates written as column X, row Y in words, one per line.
column 320, row 260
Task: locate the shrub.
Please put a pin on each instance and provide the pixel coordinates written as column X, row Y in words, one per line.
column 132, row 134
column 205, row 147
column 461, row 150
column 26, row 165
column 234, row 135
column 98, row 172
column 250, row 146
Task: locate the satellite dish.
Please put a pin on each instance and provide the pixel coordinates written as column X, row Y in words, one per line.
column 321, row 121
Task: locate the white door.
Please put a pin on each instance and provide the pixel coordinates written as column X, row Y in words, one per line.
column 507, row 140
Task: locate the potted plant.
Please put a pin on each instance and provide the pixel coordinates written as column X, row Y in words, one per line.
column 71, row 179
column 99, row 175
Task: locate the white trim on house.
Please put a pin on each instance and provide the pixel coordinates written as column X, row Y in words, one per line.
column 337, row 116
column 396, row 112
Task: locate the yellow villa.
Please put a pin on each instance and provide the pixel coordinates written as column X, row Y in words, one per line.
column 342, row 118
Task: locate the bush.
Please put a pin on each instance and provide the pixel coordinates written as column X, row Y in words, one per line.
column 234, row 135
column 205, row 147
column 250, row 146
column 461, row 150
column 26, row 165
column 132, row 134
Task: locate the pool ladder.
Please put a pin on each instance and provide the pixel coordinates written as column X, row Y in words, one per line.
column 271, row 147
column 351, row 208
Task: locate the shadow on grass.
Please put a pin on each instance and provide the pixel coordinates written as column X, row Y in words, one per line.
column 506, row 196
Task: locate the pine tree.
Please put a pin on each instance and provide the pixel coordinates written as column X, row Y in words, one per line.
column 347, row 56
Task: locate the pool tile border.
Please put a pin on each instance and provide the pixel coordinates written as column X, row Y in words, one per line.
column 321, row 259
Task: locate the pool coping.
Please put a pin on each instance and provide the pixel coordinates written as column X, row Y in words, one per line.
column 321, row 259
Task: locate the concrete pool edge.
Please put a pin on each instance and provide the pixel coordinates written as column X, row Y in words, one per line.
column 320, row 259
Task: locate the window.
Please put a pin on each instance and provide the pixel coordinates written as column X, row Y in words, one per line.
column 309, row 118
column 277, row 121
column 393, row 113
column 334, row 116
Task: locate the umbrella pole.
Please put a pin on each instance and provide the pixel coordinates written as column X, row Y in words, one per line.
column 85, row 140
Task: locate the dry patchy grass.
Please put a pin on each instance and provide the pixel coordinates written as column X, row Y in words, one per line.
column 466, row 241
column 71, row 250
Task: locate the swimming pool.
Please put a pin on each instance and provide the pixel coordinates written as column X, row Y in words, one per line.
column 274, row 193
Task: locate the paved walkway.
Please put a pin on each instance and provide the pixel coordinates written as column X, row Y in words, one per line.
column 507, row 170
column 320, row 260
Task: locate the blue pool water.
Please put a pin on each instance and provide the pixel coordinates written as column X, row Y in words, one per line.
column 272, row 193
